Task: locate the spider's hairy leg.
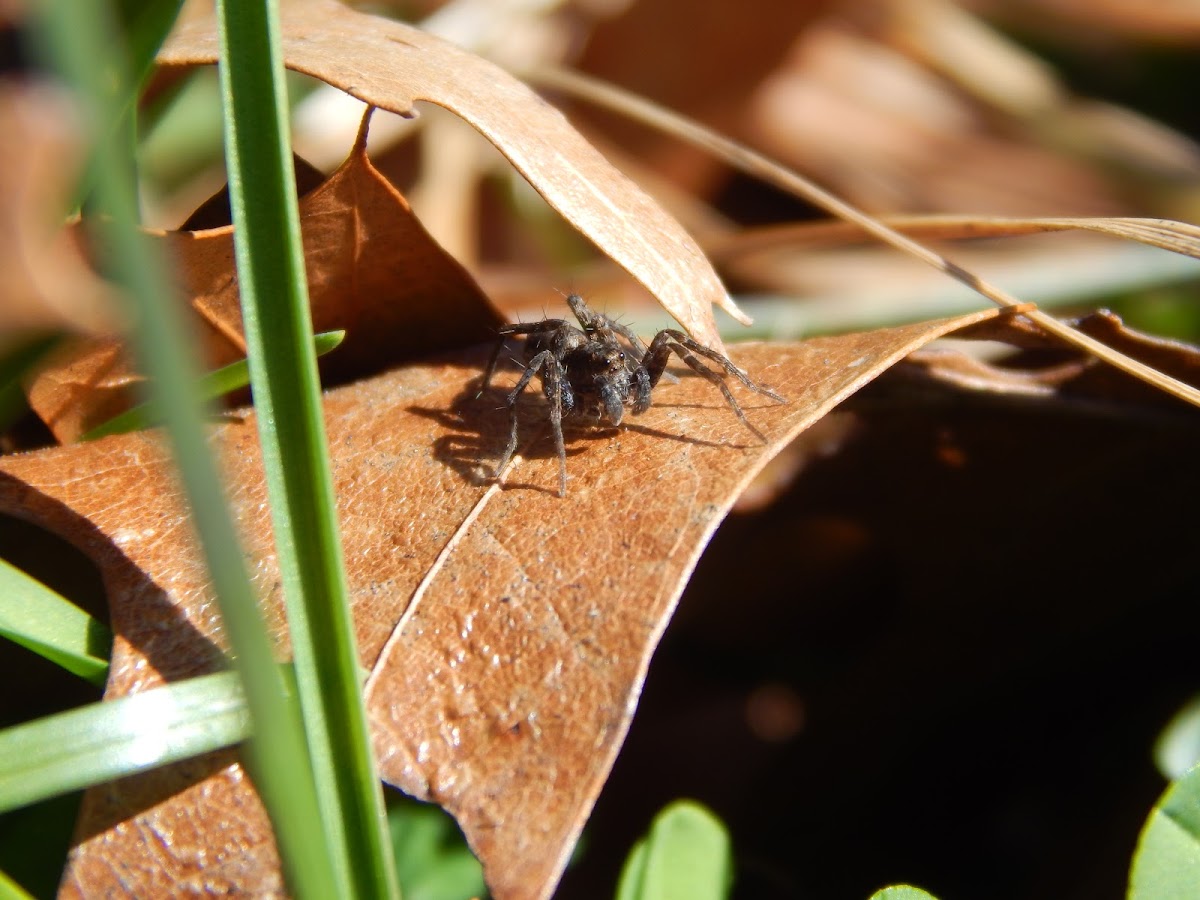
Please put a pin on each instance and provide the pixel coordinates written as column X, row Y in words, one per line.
column 491, row 366
column 584, row 313
column 604, row 326
column 679, row 343
column 511, row 402
column 548, row 365
column 670, row 341
column 505, row 331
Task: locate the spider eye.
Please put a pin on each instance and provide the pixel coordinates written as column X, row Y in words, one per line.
column 620, row 356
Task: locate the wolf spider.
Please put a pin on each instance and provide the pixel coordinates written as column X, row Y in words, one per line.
column 593, row 372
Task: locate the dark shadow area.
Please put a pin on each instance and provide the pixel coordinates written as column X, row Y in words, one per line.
column 942, row 657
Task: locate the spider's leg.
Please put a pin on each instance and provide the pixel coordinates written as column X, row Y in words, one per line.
column 670, row 341
column 558, row 392
column 584, row 313
column 491, row 366
column 682, row 344
column 521, row 328
column 511, row 401
column 532, row 327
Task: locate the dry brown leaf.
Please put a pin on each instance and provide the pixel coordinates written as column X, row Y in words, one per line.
column 507, row 631
column 1049, row 364
column 372, row 269
column 885, row 132
column 392, row 65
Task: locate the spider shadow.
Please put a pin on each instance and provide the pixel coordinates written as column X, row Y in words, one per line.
column 477, row 431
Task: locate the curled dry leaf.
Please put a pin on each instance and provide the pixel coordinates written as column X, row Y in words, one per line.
column 507, row 631
column 372, row 269
column 392, row 65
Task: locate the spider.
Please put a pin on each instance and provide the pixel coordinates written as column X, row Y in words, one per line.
column 596, row 370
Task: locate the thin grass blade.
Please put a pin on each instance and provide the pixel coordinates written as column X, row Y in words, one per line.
column 283, row 372
column 212, row 386
column 103, row 741
column 51, row 626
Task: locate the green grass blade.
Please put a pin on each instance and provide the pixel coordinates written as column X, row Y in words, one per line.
column 686, row 854
column 1166, row 865
column 10, row 890
column 213, row 385
column 82, row 43
column 283, row 373
column 41, row 620
column 103, row 741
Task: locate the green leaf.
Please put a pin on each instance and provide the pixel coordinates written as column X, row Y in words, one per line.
column 1177, row 748
column 685, row 855
column 902, row 892
column 1166, row 865
column 39, row 619
column 214, row 384
column 633, row 873
column 432, row 859
column 103, row 741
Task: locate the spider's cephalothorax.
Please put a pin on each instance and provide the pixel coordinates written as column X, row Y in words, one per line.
column 593, row 372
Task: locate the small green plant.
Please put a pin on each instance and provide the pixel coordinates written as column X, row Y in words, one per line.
column 686, row 853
